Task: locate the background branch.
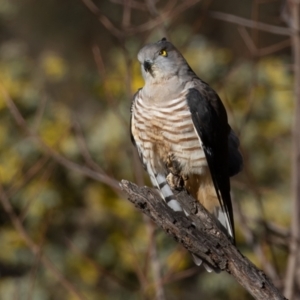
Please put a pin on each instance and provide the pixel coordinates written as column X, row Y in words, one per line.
column 291, row 286
column 251, row 24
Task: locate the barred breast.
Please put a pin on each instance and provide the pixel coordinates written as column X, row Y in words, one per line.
column 165, row 129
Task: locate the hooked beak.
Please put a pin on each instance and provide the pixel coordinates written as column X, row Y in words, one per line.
column 148, row 65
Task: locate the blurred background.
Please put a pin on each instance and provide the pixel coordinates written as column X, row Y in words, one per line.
column 68, row 70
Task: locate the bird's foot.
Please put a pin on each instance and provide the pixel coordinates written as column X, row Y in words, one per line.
column 176, row 182
column 173, row 164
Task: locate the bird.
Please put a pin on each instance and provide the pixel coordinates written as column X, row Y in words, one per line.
column 180, row 129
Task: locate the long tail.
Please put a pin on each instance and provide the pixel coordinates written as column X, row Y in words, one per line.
column 159, row 180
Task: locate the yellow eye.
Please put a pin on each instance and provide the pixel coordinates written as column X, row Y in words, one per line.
column 163, row 52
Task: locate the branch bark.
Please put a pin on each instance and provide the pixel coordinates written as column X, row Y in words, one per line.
column 200, row 234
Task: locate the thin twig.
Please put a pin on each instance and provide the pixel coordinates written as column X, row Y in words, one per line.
column 151, row 5
column 35, row 249
column 181, row 275
column 39, row 113
column 103, row 19
column 54, row 154
column 141, row 275
column 44, row 178
column 251, row 24
column 28, row 176
column 167, row 13
column 155, row 263
column 84, row 148
column 133, row 4
column 102, row 270
column 274, row 48
column 36, row 264
column 256, row 246
column 262, row 51
column 247, row 40
column 294, row 257
column 126, row 13
column 111, row 101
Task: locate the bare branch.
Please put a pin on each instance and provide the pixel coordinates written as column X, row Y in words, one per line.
column 294, row 256
column 51, row 152
column 35, row 267
column 103, row 19
column 27, row 176
column 132, row 4
column 247, row 40
column 126, row 13
column 256, row 245
column 251, row 24
column 35, row 249
column 168, row 12
column 181, row 275
column 39, row 113
column 263, row 51
column 155, row 263
column 82, row 144
column 100, row 269
column 199, row 234
column 275, row 47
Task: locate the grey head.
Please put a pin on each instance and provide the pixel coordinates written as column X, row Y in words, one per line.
column 161, row 62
